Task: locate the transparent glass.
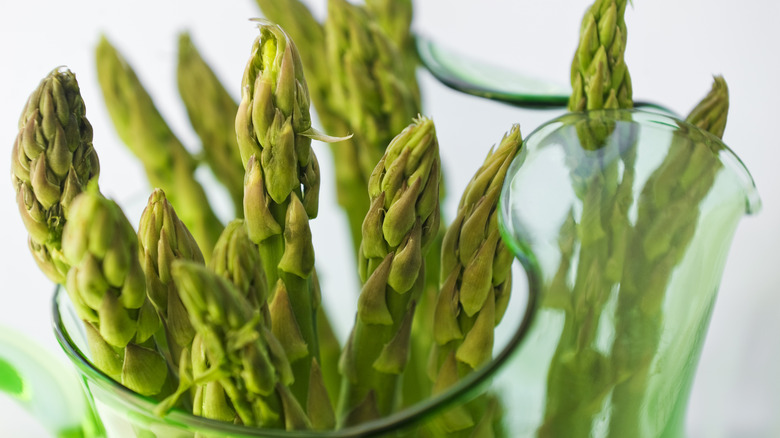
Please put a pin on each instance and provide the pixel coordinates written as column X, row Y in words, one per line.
column 482, row 78
column 622, row 221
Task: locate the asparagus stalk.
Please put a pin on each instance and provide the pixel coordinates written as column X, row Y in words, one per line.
column 237, row 259
column 211, row 111
column 240, row 368
column 394, row 17
column 52, row 161
column 281, row 187
column 371, row 96
column 579, row 376
column 658, row 243
column 310, row 37
column 325, row 49
column 369, row 89
column 599, row 75
column 162, row 239
column 712, row 112
column 82, row 239
column 198, row 83
column 107, row 287
column 168, row 164
column 397, row 231
column 476, row 281
column 308, row 33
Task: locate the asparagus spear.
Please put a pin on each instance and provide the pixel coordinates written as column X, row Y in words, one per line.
column 658, row 243
column 476, row 281
column 370, row 97
column 353, row 165
column 394, row 17
column 163, row 238
column 240, row 368
column 107, row 287
column 369, row 89
column 281, row 187
column 712, row 112
column 168, row 164
column 599, row 75
column 51, row 162
column 308, row 33
column 579, row 375
column 212, row 112
column 82, row 239
column 398, row 229
column 236, row 259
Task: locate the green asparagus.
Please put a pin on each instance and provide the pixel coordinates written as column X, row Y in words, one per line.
column 397, row 231
column 281, row 189
column 211, row 111
column 240, row 370
column 599, row 76
column 81, row 239
column 475, row 264
column 163, row 238
column 168, row 164
column 476, row 282
column 600, row 81
column 107, row 288
column 308, row 34
column 236, row 258
column 370, row 96
column 369, row 89
column 52, row 161
column 394, row 17
column 658, row 243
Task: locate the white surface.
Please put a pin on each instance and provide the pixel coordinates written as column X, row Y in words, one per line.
column 674, row 48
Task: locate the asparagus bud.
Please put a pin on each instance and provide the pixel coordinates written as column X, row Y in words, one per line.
column 476, row 280
column 236, row 258
column 164, row 238
column 235, row 357
column 599, row 76
column 52, row 161
column 107, row 286
column 274, row 131
column 404, row 215
column 394, row 17
column 371, row 89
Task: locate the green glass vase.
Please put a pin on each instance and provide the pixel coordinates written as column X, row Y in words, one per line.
column 623, row 220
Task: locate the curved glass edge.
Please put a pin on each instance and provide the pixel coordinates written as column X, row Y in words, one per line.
column 727, row 156
column 33, row 378
column 415, row 414
column 658, row 116
column 490, row 81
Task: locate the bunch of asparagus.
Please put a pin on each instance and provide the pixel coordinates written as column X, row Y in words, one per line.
column 225, row 321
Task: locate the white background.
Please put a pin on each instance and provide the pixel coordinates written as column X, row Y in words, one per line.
column 675, row 46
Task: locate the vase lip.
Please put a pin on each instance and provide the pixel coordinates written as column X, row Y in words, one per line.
column 664, row 118
column 416, row 413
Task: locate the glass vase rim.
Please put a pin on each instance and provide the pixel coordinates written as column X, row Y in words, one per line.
column 660, row 118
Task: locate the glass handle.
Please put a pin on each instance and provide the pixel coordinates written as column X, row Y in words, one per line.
column 42, row 385
column 483, row 79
